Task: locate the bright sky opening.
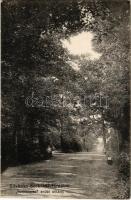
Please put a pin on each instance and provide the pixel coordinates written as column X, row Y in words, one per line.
column 81, row 44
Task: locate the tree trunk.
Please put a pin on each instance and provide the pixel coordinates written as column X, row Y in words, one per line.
column 103, row 132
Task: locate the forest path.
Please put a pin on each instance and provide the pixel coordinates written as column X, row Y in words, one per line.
column 70, row 175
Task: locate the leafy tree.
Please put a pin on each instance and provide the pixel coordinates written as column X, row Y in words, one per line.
column 35, row 63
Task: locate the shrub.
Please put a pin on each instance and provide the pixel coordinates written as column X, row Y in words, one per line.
column 70, row 143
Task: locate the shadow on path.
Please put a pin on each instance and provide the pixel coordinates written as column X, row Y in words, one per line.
column 75, row 175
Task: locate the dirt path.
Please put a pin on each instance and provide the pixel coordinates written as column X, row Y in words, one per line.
column 74, row 175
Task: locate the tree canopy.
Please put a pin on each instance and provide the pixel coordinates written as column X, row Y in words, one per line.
column 35, row 64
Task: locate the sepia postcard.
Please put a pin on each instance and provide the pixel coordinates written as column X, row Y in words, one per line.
column 65, row 108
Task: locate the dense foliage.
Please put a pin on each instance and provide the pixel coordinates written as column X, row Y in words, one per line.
column 35, row 64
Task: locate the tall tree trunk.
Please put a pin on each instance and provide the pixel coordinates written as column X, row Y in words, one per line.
column 103, row 131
